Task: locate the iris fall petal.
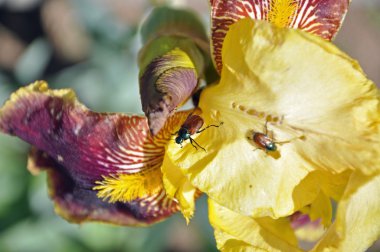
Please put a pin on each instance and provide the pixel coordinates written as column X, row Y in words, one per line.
column 78, row 204
column 98, row 163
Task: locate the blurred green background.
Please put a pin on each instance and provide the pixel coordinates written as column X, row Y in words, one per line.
column 91, row 46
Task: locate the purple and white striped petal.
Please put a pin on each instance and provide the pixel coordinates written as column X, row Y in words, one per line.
column 320, row 17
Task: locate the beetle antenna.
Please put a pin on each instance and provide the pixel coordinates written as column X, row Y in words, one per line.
column 211, row 125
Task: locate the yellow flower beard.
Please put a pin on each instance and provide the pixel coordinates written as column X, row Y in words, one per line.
column 128, row 187
column 282, row 12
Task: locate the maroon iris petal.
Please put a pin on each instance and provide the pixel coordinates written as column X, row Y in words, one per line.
column 78, row 204
column 78, row 147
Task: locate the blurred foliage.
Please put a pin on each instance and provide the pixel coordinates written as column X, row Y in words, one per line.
column 105, row 80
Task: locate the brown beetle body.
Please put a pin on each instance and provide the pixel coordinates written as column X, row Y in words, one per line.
column 263, row 141
column 193, row 123
column 191, row 126
column 266, row 141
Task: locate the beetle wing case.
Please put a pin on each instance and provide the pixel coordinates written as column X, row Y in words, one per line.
column 193, row 123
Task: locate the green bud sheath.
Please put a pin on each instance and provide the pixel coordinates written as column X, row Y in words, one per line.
column 174, row 57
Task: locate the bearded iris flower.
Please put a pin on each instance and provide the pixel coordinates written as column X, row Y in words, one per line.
column 315, row 101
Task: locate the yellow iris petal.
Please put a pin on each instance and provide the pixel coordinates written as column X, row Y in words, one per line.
column 357, row 222
column 319, row 108
column 235, row 232
column 355, row 227
column 320, row 209
column 178, row 187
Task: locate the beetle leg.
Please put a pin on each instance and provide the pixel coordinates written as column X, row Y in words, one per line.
column 192, row 140
column 271, row 135
column 211, row 125
column 173, row 134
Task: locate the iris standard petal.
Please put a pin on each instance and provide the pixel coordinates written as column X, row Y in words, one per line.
column 174, row 57
column 166, row 83
column 322, row 17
